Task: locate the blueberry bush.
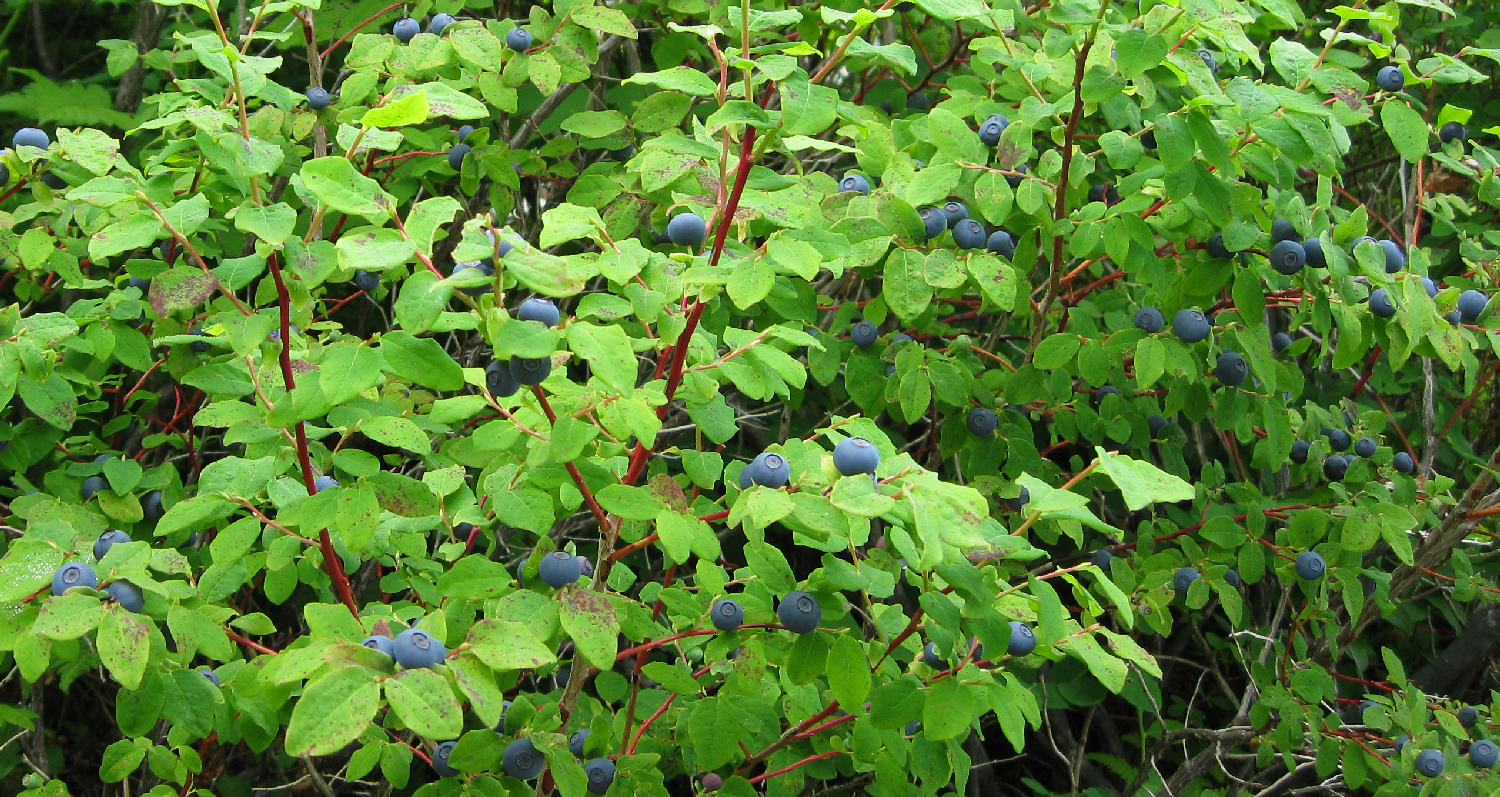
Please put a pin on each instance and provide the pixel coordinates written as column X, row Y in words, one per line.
column 671, row 397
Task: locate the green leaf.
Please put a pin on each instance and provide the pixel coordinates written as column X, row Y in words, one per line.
column 678, row 78
column 332, row 712
column 948, row 711
column 335, row 182
column 409, row 110
column 848, row 671
column 607, row 350
column 425, row 703
column 506, row 646
column 474, row 679
column 347, row 371
column 271, row 223
column 422, row 360
column 589, row 618
column 68, row 616
column 124, row 646
column 631, row 503
column 1142, row 483
column 1406, row 129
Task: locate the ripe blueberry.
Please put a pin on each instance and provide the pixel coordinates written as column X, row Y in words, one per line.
column 577, row 741
column 918, row 101
column 1216, row 248
column 1101, row 558
column 933, row 221
column 73, row 574
column 416, row 649
column 1184, row 578
column 323, row 483
column 799, row 612
column 212, row 676
column 1452, row 131
column 1390, row 78
column 1429, row 762
column 127, row 595
column 317, row 98
column 855, row 183
column 1231, row 369
column 438, row 23
column 1283, row 230
column 1002, row 244
column 1403, row 463
column 539, row 309
column 530, row 370
column 1208, row 59
column 1467, row 716
column 1190, row 325
column 1313, row 249
column 769, row 470
column 1365, row 447
column 1380, row 304
column 955, row 212
column 1299, row 451
column 382, row 643
column 601, row 772
column 406, row 29
column 522, row 760
column 1335, row 467
column 108, row 540
column 1471, row 304
column 686, row 229
column 440, row 760
column 990, row 131
column 1288, row 257
column 518, row 39
column 560, row 569
column 727, row 614
column 1483, row 754
column 712, row 782
column 483, row 268
column 366, row 281
column 931, row 658
column 31, row 137
column 863, row 333
column 1338, row 439
column 1019, row 501
column 1232, row 578
column 1310, row 565
column 855, row 455
column 456, row 156
column 498, row 380
column 982, row 422
column 1022, row 640
column 1395, row 259
column 463, row 135
column 1149, row 320
column 969, row 234
column 1155, row 424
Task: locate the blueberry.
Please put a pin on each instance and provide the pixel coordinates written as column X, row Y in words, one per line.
column 323, row 483
column 212, row 676
column 416, row 649
column 91, row 486
column 1310, row 565
column 518, row 39
column 1216, row 248
column 955, row 212
column 522, row 760
column 1103, row 193
column 918, row 101
column 1335, row 467
column 366, row 281
column 969, row 234
column 711, row 781
column 1313, row 248
column 136, row 282
column 1429, row 286
column 1429, row 762
column 1380, row 304
column 1365, row 447
column 438, row 23
column 1403, row 463
column 1400, row 742
column 931, row 658
column 585, row 566
column 1019, row 501
column 855, row 455
column 1288, row 257
column 854, row 183
column 1452, row 131
column 727, row 614
column 1390, row 78
column 1483, row 754
column 900, row 337
column 1022, row 640
column 127, row 595
column 1190, row 325
column 863, row 333
column 1015, row 179
column 1471, row 304
column 530, row 370
column 317, row 98
column 31, row 137
column 463, row 135
column 1001, row 243
column 1105, row 391
column 477, row 290
column 560, row 569
column 382, row 643
column 1101, row 559
column 933, row 221
column 601, row 772
column 1208, row 59
column 799, row 612
column 1454, row 318
column 769, row 470
column 1395, row 259
column 1280, row 341
column 1149, row 320
column 1299, row 451
column 990, row 131
column 982, row 422
column 1467, row 716
column 498, row 380
column 1231, row 369
column 687, row 229
column 577, row 741
column 1232, row 578
column 1155, row 424
column 539, row 309
column 1283, row 230
column 406, row 29
column 440, row 758
column 456, row 156
column 1184, row 578
column 199, row 346
column 108, row 540
column 1338, row 439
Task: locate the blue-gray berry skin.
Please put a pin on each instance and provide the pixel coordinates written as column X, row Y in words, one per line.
column 1366, row 447
column 1283, row 230
column 799, row 612
column 982, row 422
column 1338, row 439
column 1401, row 741
column 918, row 101
column 687, row 229
column 855, row 455
column 127, row 595
column 522, row 760
column 1015, row 179
column 439, row 23
column 969, row 234
column 1022, row 639
column 74, row 574
column 416, row 649
column 366, row 281
column 1155, row 424
column 1454, row 318
column 1001, row 243
column 518, row 39
column 955, row 212
column 992, row 128
column 31, row 137
column 1216, row 248
column 1019, row 501
column 199, row 346
column 1335, row 467
column 91, row 486
column 107, row 540
column 601, row 773
column 1467, row 716
column 559, row 569
column 1190, row 325
column 440, row 758
column 1471, row 305
column 1390, row 78
column 317, row 98
column 854, row 183
column 1483, row 754
column 1310, row 565
column 151, row 506
column 1288, row 257
column 1429, row 286
column 498, row 379
column 1101, row 558
column 212, row 676
column 1313, row 249
column 934, row 221
column 1430, row 763
column 863, row 333
column 1395, row 259
column 483, row 268
column 530, row 370
column 912, row 728
column 463, row 132
column 324, row 482
column 1300, row 450
column 931, row 658
column 770, row 469
column 1403, row 463
column 1380, row 304
column 382, row 643
column 727, row 614
column 406, row 29
column 1232, row 578
column 1149, row 320
column 1452, row 131
column 144, row 285
column 456, row 156
column 539, row 309
column 1184, row 578
column 1231, row 369
column 1208, row 59
column 577, row 741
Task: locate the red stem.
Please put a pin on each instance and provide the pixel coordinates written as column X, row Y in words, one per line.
column 790, row 767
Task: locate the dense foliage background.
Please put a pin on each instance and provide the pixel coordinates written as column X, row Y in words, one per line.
column 247, row 389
